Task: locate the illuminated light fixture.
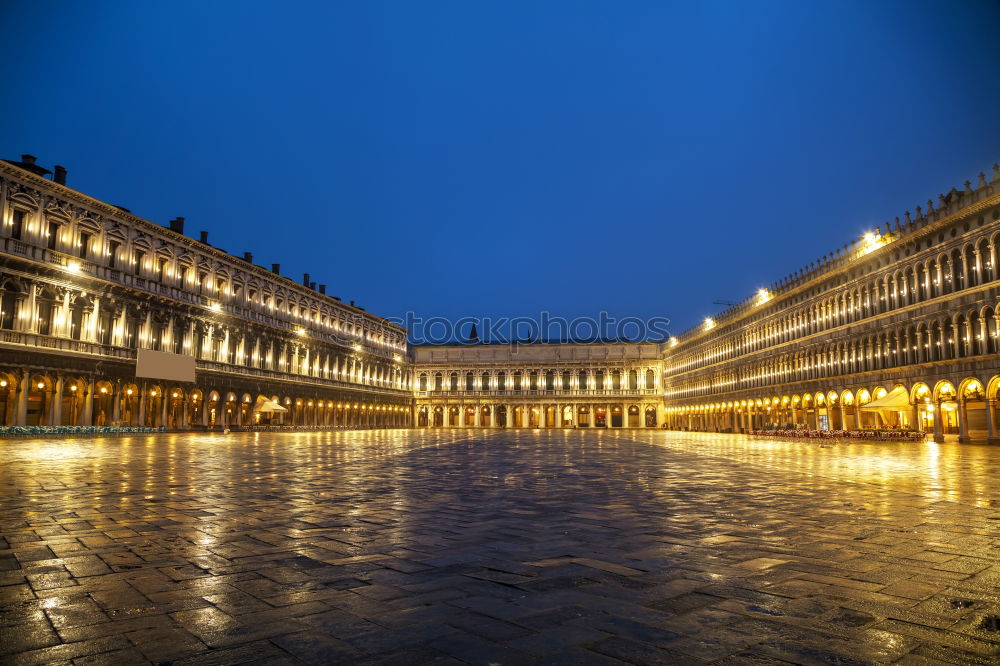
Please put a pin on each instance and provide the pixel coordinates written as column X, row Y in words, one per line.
column 763, row 296
column 300, row 331
column 216, row 307
column 73, row 267
column 174, row 395
column 709, row 323
column 3, row 383
column 104, row 390
column 41, row 385
column 73, row 387
column 357, row 347
column 152, row 393
column 129, row 392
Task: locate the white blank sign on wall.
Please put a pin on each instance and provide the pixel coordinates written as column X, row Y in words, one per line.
column 163, row 365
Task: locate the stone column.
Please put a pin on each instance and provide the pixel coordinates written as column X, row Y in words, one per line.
column 915, row 416
column 116, row 402
column 142, row 405
column 21, row 417
column 938, row 431
column 88, row 402
column 477, row 416
column 990, row 435
column 57, row 402
column 963, row 421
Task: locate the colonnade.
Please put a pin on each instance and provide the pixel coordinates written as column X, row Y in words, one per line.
column 51, row 399
column 962, row 409
column 538, row 415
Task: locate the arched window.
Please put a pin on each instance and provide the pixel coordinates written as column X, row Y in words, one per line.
column 9, row 299
column 453, row 383
column 501, row 381
column 533, row 380
column 633, row 380
column 582, row 380
column 550, row 380
column 422, row 381
column 470, row 381
column 650, row 379
column 616, row 380
column 437, row 381
column 599, row 380
column 517, row 380
column 46, row 311
column 484, row 382
column 565, row 380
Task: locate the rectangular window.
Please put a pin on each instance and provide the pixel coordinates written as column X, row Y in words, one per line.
column 113, row 253
column 52, row 235
column 17, row 225
column 140, row 257
column 84, row 245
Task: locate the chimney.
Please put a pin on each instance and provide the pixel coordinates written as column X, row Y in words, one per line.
column 204, row 237
column 312, row 285
column 305, row 279
column 177, row 224
column 60, row 174
column 248, row 257
column 276, row 269
column 352, row 304
column 28, row 159
column 322, row 289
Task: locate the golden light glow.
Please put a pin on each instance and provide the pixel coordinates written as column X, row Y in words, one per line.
column 872, row 241
column 763, row 296
column 709, row 323
column 215, row 307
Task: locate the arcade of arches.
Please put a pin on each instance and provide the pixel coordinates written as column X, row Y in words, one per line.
column 33, row 398
column 538, row 415
column 959, row 409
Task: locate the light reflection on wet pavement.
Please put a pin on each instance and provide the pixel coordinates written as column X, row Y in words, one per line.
column 497, row 547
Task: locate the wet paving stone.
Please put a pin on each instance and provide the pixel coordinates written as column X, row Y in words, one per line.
column 413, row 547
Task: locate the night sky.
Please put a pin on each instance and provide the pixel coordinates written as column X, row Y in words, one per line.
column 504, row 158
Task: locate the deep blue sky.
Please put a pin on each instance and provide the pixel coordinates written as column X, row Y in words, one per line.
column 503, row 158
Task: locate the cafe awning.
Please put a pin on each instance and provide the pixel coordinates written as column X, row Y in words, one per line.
column 268, row 407
column 898, row 399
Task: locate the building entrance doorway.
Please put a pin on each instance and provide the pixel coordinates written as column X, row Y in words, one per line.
column 600, row 417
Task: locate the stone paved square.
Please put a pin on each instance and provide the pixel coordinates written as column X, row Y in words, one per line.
column 502, row 547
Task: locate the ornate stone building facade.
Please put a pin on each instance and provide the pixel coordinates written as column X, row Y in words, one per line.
column 896, row 329
column 84, row 285
column 598, row 385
